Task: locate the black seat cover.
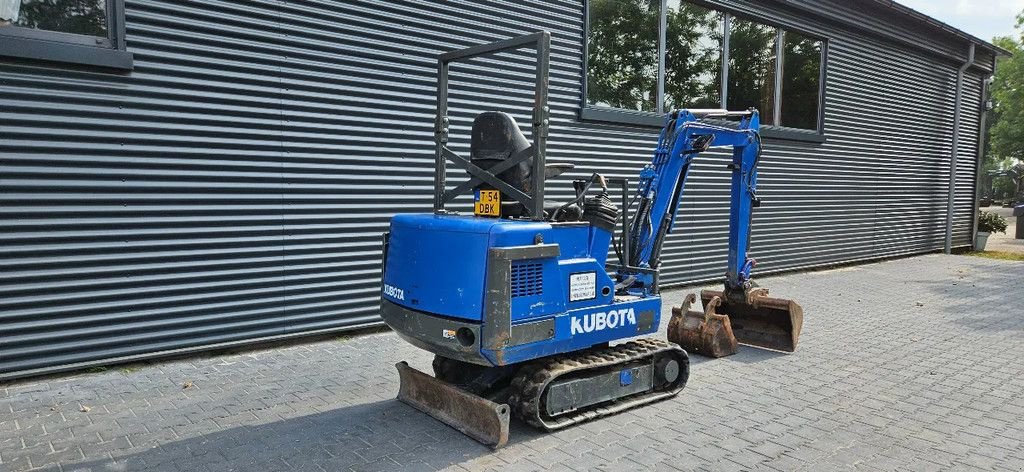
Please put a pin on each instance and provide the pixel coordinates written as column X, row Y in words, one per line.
column 496, row 136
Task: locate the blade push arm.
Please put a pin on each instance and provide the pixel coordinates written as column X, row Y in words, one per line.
column 661, row 186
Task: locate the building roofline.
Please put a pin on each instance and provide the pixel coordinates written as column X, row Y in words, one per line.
column 921, row 17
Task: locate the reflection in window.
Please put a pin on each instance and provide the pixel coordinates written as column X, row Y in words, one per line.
column 801, row 78
column 765, row 64
column 752, row 68
column 88, row 17
column 693, row 57
column 622, row 54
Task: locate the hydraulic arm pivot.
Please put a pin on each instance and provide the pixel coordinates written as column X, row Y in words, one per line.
column 740, row 312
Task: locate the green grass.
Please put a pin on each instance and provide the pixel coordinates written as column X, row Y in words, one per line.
column 1001, row 255
column 130, row 368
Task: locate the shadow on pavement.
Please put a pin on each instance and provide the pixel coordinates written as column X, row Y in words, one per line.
column 987, row 300
column 384, row 435
column 751, row 355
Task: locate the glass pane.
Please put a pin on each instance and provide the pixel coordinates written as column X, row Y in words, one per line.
column 67, row 16
column 752, row 68
column 801, row 81
column 622, row 54
column 693, row 57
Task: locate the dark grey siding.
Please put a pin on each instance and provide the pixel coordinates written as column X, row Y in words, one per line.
column 234, row 186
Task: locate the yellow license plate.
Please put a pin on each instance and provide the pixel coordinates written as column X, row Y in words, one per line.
column 487, row 203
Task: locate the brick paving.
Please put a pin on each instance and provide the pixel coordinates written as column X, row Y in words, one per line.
column 913, row 364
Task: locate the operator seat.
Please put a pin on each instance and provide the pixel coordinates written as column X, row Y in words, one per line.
column 495, row 137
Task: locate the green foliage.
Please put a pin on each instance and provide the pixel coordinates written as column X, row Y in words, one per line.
column 751, row 66
column 622, row 54
column 801, row 78
column 1007, row 131
column 693, row 61
column 68, row 16
column 1002, row 187
column 1000, row 255
column 622, row 61
column 989, row 222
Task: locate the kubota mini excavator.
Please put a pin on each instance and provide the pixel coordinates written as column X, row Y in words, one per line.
column 517, row 300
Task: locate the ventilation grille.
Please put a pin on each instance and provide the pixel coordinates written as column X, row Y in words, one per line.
column 527, row 279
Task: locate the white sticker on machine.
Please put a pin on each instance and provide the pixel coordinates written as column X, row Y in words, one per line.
column 582, row 286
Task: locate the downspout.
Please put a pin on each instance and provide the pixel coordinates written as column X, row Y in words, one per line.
column 982, row 136
column 957, row 105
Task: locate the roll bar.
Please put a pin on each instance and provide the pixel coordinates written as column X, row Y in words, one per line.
column 534, row 204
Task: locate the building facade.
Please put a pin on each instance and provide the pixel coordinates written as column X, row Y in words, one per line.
column 178, row 176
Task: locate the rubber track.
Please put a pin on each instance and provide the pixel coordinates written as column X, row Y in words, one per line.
column 529, row 384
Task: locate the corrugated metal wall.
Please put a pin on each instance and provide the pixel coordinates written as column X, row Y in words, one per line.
column 234, row 186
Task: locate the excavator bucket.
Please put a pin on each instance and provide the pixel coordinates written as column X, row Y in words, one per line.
column 760, row 320
column 707, row 333
column 477, row 417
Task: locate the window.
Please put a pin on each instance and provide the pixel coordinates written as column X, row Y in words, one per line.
column 690, row 56
column 752, row 68
column 86, row 32
column 693, row 56
column 623, row 53
column 801, row 75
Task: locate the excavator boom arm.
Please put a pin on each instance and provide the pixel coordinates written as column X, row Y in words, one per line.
column 662, row 182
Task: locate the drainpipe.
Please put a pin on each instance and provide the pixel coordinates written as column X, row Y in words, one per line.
column 982, row 137
column 957, row 105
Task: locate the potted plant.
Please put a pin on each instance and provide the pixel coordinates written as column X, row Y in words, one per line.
column 988, row 223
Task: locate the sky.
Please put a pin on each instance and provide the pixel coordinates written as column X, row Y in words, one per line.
column 982, row 18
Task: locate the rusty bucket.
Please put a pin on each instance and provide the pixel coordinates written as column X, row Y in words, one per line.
column 759, row 320
column 707, row 333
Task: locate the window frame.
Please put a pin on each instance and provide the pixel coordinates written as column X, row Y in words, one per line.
column 57, row 46
column 590, row 112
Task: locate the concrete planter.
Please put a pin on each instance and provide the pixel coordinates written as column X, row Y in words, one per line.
column 980, row 240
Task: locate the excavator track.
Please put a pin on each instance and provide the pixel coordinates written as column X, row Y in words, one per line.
column 530, row 385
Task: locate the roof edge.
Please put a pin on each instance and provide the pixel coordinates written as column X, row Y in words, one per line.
column 916, row 15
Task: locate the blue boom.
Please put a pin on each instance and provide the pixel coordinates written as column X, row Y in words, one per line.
column 661, row 186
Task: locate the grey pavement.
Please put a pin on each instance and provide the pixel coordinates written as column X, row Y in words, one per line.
column 912, row 364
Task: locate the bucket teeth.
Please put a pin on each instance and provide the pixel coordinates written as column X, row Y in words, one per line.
column 748, row 317
column 760, row 320
column 707, row 333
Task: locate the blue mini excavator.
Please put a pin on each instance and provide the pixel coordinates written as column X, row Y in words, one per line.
column 518, row 300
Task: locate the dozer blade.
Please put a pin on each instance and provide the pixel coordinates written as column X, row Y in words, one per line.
column 477, row 417
column 706, row 333
column 760, row 320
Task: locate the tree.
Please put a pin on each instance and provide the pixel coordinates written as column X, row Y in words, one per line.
column 751, row 66
column 68, row 16
column 622, row 55
column 1007, row 131
column 693, row 58
column 1016, row 173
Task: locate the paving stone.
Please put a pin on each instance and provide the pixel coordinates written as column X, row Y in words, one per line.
column 877, row 384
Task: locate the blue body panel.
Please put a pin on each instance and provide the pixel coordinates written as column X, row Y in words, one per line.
column 588, row 331
column 436, row 264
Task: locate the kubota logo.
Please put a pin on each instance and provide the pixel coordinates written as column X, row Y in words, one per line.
column 394, row 292
column 599, row 321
